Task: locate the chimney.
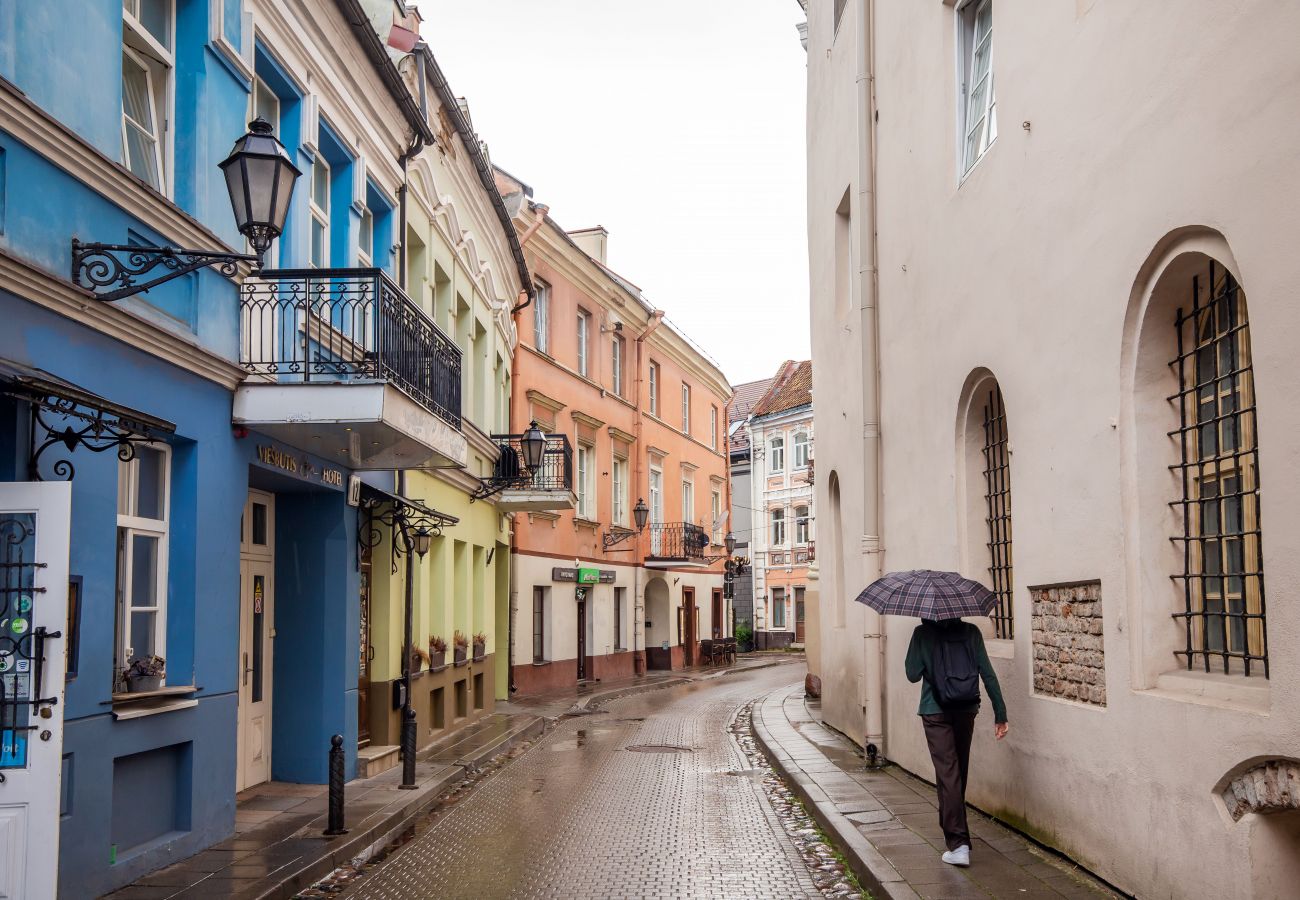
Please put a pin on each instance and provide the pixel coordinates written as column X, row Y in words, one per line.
column 413, row 18
column 592, row 241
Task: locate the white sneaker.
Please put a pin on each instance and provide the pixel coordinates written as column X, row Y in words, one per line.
column 958, row 857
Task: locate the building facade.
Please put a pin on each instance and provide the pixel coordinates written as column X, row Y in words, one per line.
column 741, row 455
column 645, row 412
column 231, row 436
column 1075, row 319
column 782, row 546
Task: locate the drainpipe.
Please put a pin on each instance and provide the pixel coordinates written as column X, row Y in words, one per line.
column 868, row 282
column 638, row 599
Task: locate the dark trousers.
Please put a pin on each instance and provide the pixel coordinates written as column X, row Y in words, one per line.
column 948, row 735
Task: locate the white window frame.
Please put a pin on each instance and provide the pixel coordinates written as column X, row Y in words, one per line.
column 586, row 482
column 802, row 526
column 713, row 427
column 778, row 605
column 686, row 408
column 777, row 519
column 618, row 477
column 129, row 525
column 584, row 338
column 366, row 236
column 654, row 389
column 320, row 216
column 715, row 510
column 656, row 491
column 969, row 117
column 616, row 361
column 159, row 64
column 261, row 90
column 776, row 455
column 688, row 497
column 801, row 445
column 542, row 317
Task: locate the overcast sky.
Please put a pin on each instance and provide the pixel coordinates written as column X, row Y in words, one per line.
column 676, row 124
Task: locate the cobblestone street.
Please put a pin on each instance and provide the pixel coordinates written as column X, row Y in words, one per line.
column 585, row 814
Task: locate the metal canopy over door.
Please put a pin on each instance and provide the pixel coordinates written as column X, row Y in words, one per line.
column 35, row 521
column 256, row 639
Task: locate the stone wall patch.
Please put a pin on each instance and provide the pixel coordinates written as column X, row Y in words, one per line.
column 1069, row 653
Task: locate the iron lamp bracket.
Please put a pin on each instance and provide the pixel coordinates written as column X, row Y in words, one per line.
column 112, row 271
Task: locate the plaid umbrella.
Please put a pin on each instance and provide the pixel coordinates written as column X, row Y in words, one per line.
column 929, row 595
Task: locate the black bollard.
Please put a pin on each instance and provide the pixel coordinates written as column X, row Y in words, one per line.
column 336, row 787
column 408, row 749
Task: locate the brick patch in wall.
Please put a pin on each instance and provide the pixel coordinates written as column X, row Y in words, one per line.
column 1069, row 656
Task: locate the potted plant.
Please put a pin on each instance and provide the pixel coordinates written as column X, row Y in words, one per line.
column 480, row 645
column 418, row 659
column 461, row 643
column 437, row 653
column 145, row 673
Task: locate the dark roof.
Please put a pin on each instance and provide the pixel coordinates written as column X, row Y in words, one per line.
column 744, row 397
column 791, row 389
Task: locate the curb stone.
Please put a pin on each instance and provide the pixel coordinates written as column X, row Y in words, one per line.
column 873, row 871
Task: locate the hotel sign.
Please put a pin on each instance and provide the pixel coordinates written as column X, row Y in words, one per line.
column 298, row 465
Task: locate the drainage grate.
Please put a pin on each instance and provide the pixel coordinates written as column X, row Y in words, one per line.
column 658, row 748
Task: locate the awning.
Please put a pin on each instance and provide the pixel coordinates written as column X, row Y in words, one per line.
column 412, row 509
column 71, row 416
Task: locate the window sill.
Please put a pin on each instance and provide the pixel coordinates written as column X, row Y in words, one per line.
column 1000, row 648
column 538, row 663
column 151, row 703
column 580, row 522
column 1231, row 692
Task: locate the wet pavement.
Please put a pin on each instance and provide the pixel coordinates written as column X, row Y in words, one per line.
column 646, row 796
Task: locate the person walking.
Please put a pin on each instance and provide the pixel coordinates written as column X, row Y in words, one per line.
column 949, row 655
column 949, row 659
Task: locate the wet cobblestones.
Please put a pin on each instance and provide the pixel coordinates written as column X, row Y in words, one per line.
column 578, row 816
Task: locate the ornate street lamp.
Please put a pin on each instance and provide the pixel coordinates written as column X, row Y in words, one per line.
column 421, row 540
column 730, row 543
column 533, row 444
column 640, row 514
column 259, row 176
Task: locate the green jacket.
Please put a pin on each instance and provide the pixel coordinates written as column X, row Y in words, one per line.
column 918, row 661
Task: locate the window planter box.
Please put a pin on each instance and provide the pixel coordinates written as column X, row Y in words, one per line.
column 480, row 651
column 459, row 658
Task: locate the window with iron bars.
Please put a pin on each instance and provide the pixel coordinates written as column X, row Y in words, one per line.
column 997, row 496
column 1223, row 573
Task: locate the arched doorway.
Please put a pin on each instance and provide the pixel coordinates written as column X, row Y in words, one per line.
column 658, row 625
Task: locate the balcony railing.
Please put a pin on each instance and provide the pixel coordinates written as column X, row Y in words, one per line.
column 678, row 541
column 324, row 326
column 554, row 475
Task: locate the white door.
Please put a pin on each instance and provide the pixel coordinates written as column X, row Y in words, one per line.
column 35, row 521
column 256, row 634
column 656, row 510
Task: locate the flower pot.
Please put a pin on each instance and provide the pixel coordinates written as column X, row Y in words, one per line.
column 137, row 684
column 479, row 650
column 437, row 660
column 460, row 656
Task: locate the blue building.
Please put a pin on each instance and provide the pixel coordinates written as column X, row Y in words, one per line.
column 215, row 430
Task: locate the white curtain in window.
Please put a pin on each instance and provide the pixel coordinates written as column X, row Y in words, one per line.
column 140, row 128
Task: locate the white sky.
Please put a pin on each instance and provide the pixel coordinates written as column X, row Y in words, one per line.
column 676, row 124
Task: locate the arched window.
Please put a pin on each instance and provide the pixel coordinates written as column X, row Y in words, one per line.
column 778, row 528
column 836, row 549
column 801, row 451
column 986, row 497
column 1222, row 572
column 802, row 525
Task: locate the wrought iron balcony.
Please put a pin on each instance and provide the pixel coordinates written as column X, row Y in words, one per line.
column 314, row 330
column 330, row 325
column 548, row 487
column 677, row 543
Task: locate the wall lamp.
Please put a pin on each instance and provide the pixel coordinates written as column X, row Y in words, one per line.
column 259, row 177
column 640, row 515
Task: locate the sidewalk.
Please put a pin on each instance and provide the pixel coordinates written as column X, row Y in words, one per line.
column 887, row 824
column 278, row 848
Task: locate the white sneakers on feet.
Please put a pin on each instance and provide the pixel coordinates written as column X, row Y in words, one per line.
column 958, row 857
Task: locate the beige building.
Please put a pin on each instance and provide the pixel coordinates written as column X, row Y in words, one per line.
column 1052, row 281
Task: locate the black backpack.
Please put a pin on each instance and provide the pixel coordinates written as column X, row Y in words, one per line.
column 953, row 674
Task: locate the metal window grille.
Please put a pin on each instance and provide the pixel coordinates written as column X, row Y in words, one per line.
column 997, row 496
column 1223, row 574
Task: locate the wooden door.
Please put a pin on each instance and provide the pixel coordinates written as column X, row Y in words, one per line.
column 367, row 654
column 691, row 620
column 582, row 633
column 717, row 624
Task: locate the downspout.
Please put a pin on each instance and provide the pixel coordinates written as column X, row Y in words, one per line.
column 868, row 279
column 638, row 588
